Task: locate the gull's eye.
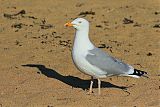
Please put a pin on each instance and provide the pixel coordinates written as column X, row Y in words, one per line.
column 80, row 22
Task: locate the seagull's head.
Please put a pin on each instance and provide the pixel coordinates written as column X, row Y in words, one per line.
column 78, row 24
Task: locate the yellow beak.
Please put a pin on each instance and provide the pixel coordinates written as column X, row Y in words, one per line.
column 69, row 24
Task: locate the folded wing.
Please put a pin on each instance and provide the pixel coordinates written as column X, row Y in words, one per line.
column 110, row 65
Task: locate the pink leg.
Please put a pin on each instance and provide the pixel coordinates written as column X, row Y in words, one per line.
column 99, row 86
column 91, row 85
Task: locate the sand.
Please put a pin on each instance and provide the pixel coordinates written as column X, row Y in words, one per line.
column 36, row 68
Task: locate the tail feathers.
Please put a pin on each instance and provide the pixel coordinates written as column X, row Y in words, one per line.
column 138, row 73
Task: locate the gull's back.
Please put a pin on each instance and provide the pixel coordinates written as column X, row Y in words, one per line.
column 108, row 64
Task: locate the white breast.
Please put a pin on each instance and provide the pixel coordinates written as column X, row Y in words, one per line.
column 81, row 47
column 81, row 63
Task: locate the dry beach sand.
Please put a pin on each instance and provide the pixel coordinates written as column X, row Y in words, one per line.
column 36, row 68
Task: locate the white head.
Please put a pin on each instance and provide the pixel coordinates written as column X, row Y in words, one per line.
column 79, row 24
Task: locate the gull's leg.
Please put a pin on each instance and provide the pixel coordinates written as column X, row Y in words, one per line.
column 99, row 86
column 91, row 84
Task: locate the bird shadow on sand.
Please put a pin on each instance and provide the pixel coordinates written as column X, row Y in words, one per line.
column 75, row 82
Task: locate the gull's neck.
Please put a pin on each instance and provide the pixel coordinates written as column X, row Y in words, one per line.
column 82, row 42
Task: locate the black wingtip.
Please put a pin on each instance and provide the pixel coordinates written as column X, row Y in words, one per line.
column 139, row 73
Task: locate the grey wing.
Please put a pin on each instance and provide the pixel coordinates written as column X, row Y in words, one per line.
column 105, row 62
